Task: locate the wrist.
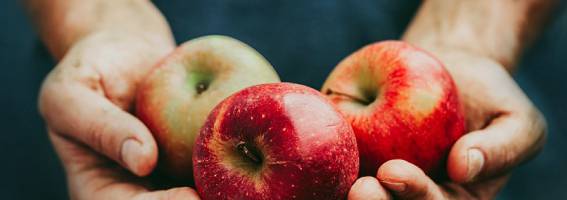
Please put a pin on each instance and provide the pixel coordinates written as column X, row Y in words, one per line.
column 120, row 47
column 462, row 26
column 498, row 30
column 63, row 23
column 455, row 56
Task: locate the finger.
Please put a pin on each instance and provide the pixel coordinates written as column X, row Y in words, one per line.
column 91, row 176
column 122, row 192
column 407, row 181
column 367, row 188
column 81, row 114
column 182, row 193
column 485, row 189
column 75, row 158
column 503, row 144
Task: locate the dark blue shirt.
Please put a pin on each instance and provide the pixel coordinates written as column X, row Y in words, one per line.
column 304, row 40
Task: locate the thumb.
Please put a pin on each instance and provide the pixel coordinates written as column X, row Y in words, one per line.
column 78, row 113
column 368, row 188
column 182, row 193
column 407, row 181
column 507, row 141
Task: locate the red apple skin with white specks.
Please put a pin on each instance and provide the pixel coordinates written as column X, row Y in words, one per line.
column 401, row 103
column 299, row 147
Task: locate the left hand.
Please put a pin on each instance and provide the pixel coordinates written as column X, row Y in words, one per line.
column 85, row 100
column 505, row 130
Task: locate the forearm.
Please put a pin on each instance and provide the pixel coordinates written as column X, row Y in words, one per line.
column 62, row 23
column 496, row 29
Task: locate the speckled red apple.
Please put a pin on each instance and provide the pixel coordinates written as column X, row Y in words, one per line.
column 178, row 95
column 275, row 141
column 401, row 103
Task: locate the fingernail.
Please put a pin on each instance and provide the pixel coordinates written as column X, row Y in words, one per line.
column 475, row 163
column 131, row 150
column 397, row 187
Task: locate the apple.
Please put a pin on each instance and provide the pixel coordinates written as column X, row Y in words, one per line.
column 177, row 96
column 275, row 141
column 401, row 103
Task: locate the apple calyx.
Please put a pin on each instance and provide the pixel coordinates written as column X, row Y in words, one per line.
column 249, row 153
column 363, row 101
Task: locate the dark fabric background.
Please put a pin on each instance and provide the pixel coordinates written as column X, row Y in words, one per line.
column 302, row 39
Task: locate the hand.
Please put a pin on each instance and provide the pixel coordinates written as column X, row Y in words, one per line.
column 505, row 130
column 85, row 101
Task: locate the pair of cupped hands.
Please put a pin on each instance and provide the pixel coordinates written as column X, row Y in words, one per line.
column 107, row 152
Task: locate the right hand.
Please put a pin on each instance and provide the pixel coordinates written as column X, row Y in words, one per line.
column 85, row 102
column 506, row 129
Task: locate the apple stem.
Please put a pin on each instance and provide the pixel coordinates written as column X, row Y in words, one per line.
column 201, row 87
column 245, row 151
column 360, row 100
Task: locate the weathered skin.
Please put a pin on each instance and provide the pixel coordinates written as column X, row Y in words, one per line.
column 306, row 149
column 401, row 103
column 178, row 95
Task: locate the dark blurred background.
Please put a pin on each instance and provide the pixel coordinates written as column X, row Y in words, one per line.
column 303, row 40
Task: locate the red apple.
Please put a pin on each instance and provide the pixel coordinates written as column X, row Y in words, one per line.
column 401, row 103
column 275, row 141
column 178, row 95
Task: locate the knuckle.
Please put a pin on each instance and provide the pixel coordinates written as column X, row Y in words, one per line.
column 95, row 136
column 534, row 129
column 508, row 158
column 537, row 131
column 466, row 142
column 45, row 98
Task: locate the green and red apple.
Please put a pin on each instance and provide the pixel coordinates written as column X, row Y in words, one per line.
column 401, row 103
column 178, row 95
column 276, row 141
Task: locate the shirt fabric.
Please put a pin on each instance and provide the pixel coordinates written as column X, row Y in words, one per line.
column 303, row 40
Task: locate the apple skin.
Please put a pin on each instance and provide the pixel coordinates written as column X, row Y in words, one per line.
column 179, row 93
column 304, row 148
column 401, row 103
